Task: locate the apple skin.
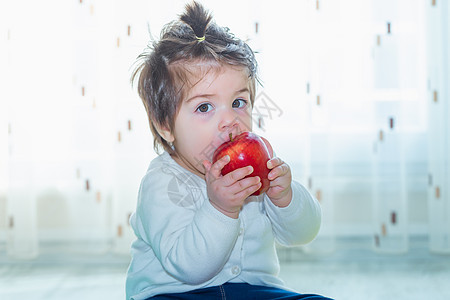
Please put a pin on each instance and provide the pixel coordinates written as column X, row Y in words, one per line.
column 246, row 149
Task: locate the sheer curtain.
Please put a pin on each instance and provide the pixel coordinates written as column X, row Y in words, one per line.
column 438, row 68
column 354, row 98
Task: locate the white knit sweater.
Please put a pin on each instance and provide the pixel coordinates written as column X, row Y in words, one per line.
column 183, row 243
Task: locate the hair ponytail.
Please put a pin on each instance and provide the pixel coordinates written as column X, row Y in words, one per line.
column 197, row 17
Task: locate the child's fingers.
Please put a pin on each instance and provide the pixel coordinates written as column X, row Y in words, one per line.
column 217, row 167
column 244, row 184
column 237, row 175
column 244, row 194
column 274, row 162
column 207, row 165
column 280, row 170
column 278, row 182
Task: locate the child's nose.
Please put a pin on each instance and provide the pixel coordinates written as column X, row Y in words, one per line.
column 228, row 119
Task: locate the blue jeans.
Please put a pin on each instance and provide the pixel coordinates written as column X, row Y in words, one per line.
column 239, row 291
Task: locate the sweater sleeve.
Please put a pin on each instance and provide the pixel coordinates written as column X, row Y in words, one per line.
column 192, row 242
column 299, row 222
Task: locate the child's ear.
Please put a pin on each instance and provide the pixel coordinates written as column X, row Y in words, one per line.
column 165, row 133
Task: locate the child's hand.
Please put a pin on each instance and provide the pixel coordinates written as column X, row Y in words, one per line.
column 280, row 191
column 228, row 193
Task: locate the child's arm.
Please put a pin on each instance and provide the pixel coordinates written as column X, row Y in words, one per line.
column 192, row 242
column 294, row 213
column 298, row 223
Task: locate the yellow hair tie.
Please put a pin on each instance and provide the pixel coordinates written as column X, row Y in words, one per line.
column 200, row 39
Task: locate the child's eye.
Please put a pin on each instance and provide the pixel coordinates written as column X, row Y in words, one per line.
column 239, row 103
column 205, row 107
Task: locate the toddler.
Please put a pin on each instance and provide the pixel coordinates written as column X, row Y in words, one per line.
column 200, row 235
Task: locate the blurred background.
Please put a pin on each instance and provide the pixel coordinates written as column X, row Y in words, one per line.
column 355, row 98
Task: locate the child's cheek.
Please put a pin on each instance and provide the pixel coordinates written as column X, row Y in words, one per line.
column 245, row 117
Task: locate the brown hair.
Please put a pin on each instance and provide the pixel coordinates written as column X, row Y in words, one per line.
column 194, row 37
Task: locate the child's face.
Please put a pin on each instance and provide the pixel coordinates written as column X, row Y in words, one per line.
column 217, row 105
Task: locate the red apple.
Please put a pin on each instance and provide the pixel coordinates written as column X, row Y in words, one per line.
column 246, row 149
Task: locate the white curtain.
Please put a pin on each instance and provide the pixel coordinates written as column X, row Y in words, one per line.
column 354, row 98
